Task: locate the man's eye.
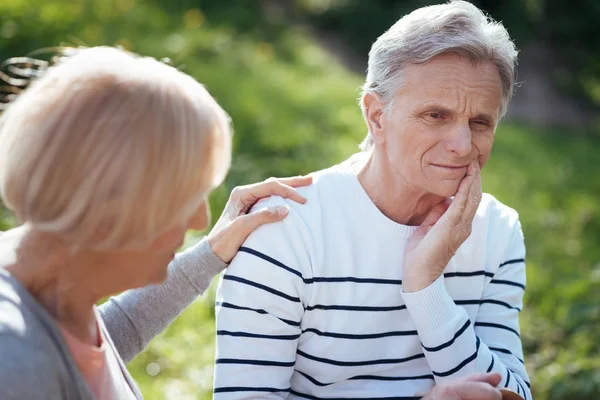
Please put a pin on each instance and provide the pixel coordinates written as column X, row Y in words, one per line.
column 435, row 115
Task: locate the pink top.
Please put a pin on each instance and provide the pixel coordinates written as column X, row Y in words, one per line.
column 99, row 367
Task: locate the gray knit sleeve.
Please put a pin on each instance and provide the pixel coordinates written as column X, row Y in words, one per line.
column 136, row 316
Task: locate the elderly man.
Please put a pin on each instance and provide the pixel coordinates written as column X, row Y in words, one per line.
column 397, row 275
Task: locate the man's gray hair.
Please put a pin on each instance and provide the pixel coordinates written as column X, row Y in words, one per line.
column 458, row 27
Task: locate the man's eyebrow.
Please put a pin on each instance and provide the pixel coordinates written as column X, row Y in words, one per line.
column 437, row 107
column 485, row 117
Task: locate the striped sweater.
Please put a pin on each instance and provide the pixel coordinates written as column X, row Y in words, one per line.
column 313, row 308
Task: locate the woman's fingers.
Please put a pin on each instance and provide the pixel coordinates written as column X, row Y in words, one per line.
column 250, row 222
column 249, row 195
column 276, row 188
column 244, row 225
column 226, row 242
column 296, row 181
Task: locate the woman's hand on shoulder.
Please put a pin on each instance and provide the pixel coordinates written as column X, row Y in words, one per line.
column 237, row 222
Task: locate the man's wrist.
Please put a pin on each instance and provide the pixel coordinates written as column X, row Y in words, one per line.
column 431, row 307
column 417, row 280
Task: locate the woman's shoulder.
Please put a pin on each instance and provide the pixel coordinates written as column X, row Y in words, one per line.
column 27, row 349
column 19, row 323
column 24, row 329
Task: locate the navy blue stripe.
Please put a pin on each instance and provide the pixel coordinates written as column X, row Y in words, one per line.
column 273, row 261
column 392, row 281
column 505, row 351
column 486, row 301
column 515, row 261
column 256, row 310
column 462, row 364
column 359, row 363
column 354, row 308
column 310, row 396
column 499, row 326
column 392, row 378
column 354, row 279
column 467, row 274
column 491, row 364
column 262, row 287
column 402, row 307
column 361, row 336
column 528, row 384
column 255, row 362
column 371, row 378
column 270, row 259
column 519, row 386
column 511, row 283
column 257, row 335
column 313, row 380
column 233, row 389
column 507, row 378
column 448, row 343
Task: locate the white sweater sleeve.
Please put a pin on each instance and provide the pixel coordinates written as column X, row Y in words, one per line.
column 260, row 303
column 455, row 346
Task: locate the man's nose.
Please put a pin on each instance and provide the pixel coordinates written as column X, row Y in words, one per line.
column 459, row 140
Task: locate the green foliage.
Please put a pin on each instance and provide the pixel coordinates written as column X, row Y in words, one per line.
column 569, row 27
column 294, row 111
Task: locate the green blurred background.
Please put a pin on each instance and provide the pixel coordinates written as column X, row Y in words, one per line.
column 289, row 74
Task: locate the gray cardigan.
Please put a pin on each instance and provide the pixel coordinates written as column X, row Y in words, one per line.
column 35, row 362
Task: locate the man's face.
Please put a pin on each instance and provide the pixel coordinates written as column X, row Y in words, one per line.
column 444, row 116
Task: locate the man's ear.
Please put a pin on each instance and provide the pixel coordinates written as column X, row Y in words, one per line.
column 373, row 111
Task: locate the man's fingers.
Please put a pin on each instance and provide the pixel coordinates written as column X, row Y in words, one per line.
column 473, row 197
column 435, row 214
column 478, row 391
column 493, row 378
column 459, row 202
column 510, row 395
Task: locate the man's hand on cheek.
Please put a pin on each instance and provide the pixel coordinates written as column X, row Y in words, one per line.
column 444, row 230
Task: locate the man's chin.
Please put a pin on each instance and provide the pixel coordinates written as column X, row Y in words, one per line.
column 445, row 188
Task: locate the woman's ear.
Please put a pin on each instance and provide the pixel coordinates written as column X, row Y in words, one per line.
column 373, row 112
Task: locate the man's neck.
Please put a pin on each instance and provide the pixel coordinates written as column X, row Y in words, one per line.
column 43, row 266
column 393, row 196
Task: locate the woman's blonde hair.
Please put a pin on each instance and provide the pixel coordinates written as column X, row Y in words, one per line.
column 109, row 150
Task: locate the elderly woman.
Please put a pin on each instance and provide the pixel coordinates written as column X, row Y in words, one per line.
column 397, row 274
column 107, row 159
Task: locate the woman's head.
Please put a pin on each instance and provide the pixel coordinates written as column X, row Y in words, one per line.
column 110, row 151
